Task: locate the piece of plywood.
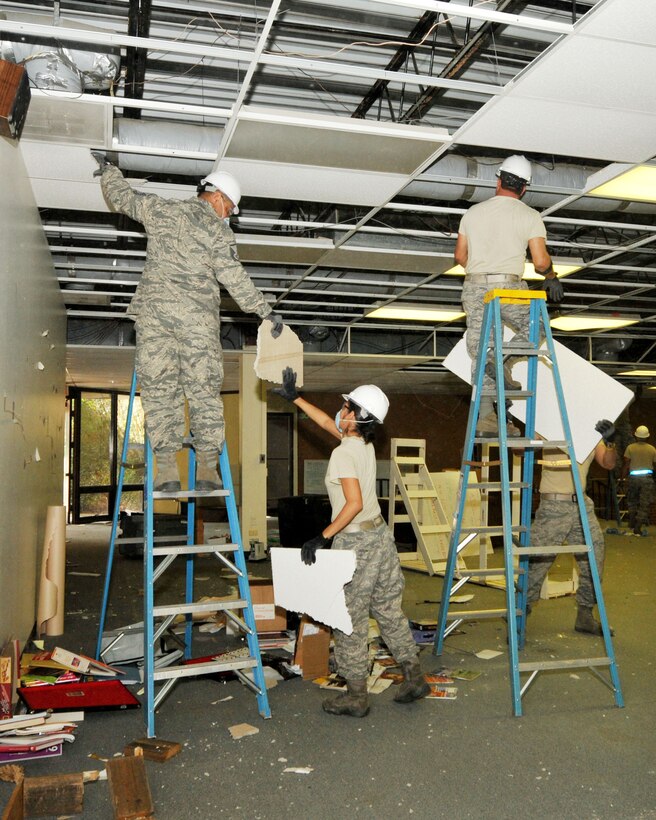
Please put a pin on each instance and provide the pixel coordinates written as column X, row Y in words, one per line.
column 53, row 795
column 274, row 355
column 316, row 590
column 129, row 789
column 153, row 748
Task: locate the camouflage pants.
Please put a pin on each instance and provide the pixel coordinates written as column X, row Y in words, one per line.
column 515, row 316
column 557, row 522
column 180, row 357
column 639, row 498
column 376, row 589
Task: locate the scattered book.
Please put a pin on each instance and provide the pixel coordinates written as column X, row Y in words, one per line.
column 82, row 663
column 444, row 692
column 459, row 674
column 438, row 679
column 16, row 757
column 331, row 682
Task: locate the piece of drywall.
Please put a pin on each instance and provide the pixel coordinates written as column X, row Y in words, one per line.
column 32, row 387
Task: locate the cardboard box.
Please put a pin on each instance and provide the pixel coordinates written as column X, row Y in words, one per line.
column 312, row 648
column 268, row 616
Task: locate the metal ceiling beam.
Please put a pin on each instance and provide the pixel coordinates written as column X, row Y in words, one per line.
column 139, row 15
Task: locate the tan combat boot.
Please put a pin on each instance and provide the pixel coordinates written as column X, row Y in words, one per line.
column 167, row 479
column 207, row 476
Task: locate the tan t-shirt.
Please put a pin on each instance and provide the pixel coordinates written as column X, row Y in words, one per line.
column 498, row 231
column 641, row 455
column 353, row 459
column 558, row 478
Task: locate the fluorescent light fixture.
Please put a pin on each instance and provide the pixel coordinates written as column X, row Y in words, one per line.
column 637, row 184
column 414, row 313
column 638, row 373
column 587, row 321
column 563, row 268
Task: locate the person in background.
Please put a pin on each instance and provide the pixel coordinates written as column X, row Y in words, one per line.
column 376, row 588
column 638, row 466
column 491, row 246
column 191, row 253
column 558, row 520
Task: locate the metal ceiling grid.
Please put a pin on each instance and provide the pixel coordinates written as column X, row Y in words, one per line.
column 324, row 241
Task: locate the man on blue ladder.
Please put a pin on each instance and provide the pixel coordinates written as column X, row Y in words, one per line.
column 191, row 253
column 491, row 247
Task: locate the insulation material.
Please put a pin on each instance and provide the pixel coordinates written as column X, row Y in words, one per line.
column 590, row 395
column 50, row 612
column 316, row 590
column 274, row 355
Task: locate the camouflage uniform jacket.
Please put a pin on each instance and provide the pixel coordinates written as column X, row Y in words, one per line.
column 191, row 251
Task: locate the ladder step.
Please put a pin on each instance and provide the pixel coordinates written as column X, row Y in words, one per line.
column 515, row 441
column 409, row 460
column 192, row 494
column 496, row 486
column 195, row 549
column 515, row 350
column 492, row 530
column 156, row 538
column 481, row 573
column 421, row 494
column 435, row 529
column 575, row 663
column 568, row 548
column 470, row 614
column 188, row 609
column 189, row 670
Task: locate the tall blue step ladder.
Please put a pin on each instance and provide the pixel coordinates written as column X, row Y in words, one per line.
column 159, row 553
column 517, row 536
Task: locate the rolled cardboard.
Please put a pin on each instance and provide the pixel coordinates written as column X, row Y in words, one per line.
column 50, row 611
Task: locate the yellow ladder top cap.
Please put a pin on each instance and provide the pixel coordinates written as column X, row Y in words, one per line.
column 513, row 296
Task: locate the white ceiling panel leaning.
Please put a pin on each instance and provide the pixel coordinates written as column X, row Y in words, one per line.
column 360, row 133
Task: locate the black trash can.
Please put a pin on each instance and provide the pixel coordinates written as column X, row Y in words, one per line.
column 301, row 517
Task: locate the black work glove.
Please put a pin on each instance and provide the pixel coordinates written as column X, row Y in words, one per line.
column 288, row 390
column 309, row 549
column 278, row 324
column 554, row 289
column 103, row 163
column 607, row 430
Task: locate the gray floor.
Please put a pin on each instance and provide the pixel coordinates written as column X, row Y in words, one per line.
column 573, row 754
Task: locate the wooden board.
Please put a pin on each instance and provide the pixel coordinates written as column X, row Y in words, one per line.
column 14, row 808
column 129, row 789
column 53, row 795
column 153, row 748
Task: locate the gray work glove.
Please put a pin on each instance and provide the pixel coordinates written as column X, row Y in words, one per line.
column 554, row 289
column 288, row 390
column 309, row 549
column 278, row 324
column 607, row 430
column 103, row 163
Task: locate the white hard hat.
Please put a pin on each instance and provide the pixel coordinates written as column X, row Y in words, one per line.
column 227, row 184
column 371, row 399
column 642, row 432
column 517, row 165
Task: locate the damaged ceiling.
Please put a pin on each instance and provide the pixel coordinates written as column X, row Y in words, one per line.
column 360, row 132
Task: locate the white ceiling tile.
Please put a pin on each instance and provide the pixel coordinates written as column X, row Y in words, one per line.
column 630, row 20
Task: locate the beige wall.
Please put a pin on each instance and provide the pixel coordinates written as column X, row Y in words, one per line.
column 32, row 350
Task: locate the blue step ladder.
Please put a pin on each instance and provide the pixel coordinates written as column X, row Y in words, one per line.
column 517, row 537
column 159, row 617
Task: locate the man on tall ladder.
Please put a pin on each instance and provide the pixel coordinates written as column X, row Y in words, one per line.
column 491, row 247
column 191, row 253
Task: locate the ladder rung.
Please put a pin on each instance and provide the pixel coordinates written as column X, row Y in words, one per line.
column 492, row 530
column 156, row 538
column 192, row 494
column 497, row 486
column 575, row 663
column 435, row 529
column 515, row 350
column 189, row 670
column 466, row 573
column 476, row 613
column 195, row 549
column 401, row 519
column 421, row 494
column 208, row 606
column 408, row 460
column 567, row 548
